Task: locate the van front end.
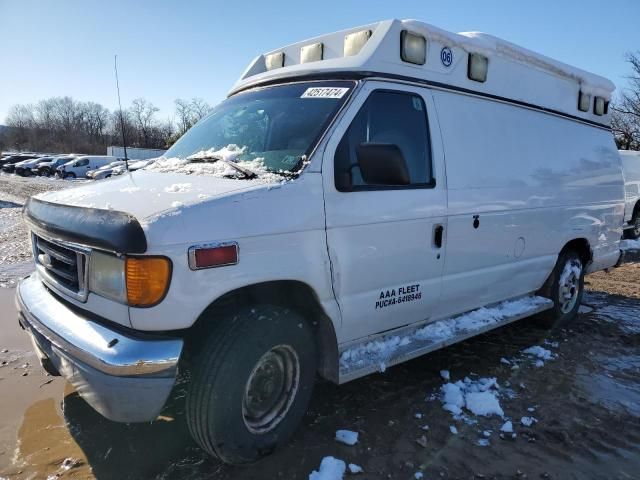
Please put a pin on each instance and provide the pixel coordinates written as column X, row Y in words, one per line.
column 76, row 309
column 125, row 377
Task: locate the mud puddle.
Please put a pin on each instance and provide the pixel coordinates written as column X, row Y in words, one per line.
column 585, row 403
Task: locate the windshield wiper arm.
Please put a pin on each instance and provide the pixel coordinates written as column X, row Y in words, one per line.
column 245, row 171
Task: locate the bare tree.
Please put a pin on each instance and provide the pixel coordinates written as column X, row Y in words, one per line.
column 626, row 113
column 142, row 113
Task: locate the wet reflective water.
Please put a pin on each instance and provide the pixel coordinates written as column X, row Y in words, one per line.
column 586, row 401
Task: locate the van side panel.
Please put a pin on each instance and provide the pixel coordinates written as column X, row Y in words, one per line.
column 535, row 181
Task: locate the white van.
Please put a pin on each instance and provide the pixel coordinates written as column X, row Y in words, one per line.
column 79, row 167
column 631, row 170
column 348, row 205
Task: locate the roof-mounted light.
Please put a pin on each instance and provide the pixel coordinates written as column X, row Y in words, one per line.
column 584, row 101
column 413, row 47
column 311, row 53
column 478, row 67
column 275, row 60
column 354, row 42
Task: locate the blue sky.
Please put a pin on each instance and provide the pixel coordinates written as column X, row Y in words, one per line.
column 171, row 49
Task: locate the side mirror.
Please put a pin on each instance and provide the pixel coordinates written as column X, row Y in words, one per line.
column 382, row 164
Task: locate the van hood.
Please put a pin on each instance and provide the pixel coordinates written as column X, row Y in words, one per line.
column 145, row 194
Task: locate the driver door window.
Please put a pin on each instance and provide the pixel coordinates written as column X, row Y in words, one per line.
column 398, row 118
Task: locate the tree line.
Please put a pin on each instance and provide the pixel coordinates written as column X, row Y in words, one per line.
column 625, row 120
column 62, row 124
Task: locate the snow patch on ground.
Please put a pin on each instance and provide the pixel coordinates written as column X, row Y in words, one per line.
column 380, row 351
column 542, row 354
column 330, row 469
column 480, row 397
column 353, row 468
column 347, row 437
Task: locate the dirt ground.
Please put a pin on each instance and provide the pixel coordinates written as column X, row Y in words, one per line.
column 586, row 401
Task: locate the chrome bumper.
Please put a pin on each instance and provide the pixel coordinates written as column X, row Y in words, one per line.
column 125, row 378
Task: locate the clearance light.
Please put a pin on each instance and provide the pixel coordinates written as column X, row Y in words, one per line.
column 413, row 48
column 147, row 280
column 584, row 102
column 311, row 53
column 354, row 42
column 210, row 256
column 275, row 60
column 477, row 67
column 598, row 106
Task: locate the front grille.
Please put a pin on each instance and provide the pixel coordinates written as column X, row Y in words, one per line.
column 62, row 266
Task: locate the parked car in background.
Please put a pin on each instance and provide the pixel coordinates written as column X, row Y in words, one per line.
column 26, row 167
column 104, row 172
column 49, row 167
column 79, row 167
column 631, row 171
column 9, row 164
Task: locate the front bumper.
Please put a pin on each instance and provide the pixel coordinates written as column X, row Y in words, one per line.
column 126, row 378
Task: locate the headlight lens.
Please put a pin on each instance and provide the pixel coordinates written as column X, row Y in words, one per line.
column 134, row 281
column 107, row 276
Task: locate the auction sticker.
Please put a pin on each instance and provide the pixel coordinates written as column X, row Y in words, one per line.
column 324, row 92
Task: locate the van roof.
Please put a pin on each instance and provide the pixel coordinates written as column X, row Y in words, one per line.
column 514, row 72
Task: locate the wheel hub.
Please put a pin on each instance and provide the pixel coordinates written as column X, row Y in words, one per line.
column 271, row 389
column 569, row 285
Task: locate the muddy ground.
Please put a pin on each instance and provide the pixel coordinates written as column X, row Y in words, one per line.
column 586, row 402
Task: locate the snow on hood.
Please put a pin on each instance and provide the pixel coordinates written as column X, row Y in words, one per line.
column 146, row 194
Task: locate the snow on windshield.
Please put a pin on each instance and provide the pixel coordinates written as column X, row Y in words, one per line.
column 219, row 169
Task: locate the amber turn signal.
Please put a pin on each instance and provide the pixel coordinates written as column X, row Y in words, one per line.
column 147, row 280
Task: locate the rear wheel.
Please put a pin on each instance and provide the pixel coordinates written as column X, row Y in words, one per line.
column 565, row 287
column 251, row 383
column 634, row 232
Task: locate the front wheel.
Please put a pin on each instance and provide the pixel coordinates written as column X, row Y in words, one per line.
column 633, row 233
column 70, row 175
column 251, row 383
column 565, row 287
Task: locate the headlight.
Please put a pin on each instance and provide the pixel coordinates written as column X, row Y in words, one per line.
column 135, row 281
column 106, row 276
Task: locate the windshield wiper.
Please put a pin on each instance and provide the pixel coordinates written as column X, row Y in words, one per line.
column 214, row 158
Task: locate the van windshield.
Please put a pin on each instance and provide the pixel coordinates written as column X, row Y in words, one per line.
column 268, row 130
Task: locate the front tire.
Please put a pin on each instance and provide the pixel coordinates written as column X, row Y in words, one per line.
column 565, row 287
column 251, row 383
column 70, row 175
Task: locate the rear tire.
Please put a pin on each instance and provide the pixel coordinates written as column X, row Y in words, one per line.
column 565, row 287
column 634, row 232
column 251, row 383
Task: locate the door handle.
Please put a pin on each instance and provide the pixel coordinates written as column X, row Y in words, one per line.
column 438, row 232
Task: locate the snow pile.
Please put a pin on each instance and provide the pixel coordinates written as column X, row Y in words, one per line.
column 630, row 245
column 507, row 427
column 480, row 397
column 347, row 437
column 353, row 468
column 542, row 354
column 231, row 153
column 330, row 469
column 380, row 351
column 178, row 188
column 528, row 421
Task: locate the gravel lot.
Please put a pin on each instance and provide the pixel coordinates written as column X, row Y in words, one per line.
column 585, row 399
